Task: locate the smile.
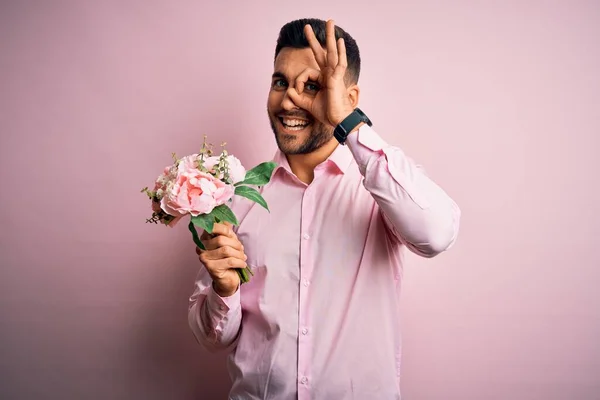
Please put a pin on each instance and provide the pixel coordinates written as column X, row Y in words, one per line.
column 293, row 124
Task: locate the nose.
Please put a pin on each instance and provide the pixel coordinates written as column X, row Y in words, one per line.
column 287, row 103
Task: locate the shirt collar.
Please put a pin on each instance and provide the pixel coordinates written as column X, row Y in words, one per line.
column 340, row 159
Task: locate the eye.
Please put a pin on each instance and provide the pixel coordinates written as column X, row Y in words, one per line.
column 279, row 84
column 312, row 87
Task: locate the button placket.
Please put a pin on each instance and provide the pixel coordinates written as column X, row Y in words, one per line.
column 304, row 342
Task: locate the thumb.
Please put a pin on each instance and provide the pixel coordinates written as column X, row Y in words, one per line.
column 300, row 100
column 230, row 226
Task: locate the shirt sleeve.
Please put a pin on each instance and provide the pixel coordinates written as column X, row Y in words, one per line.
column 416, row 211
column 214, row 320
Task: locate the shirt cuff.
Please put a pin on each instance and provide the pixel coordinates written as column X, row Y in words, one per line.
column 367, row 146
column 363, row 143
column 223, row 305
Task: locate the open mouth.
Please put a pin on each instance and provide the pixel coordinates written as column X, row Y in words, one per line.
column 293, row 124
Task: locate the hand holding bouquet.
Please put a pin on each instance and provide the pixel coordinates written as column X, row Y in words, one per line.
column 201, row 185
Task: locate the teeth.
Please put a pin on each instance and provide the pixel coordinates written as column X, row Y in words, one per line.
column 294, row 122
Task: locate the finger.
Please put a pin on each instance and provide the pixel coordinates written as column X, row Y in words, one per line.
column 332, row 55
column 302, row 101
column 222, row 241
column 309, row 74
column 205, row 235
column 204, row 238
column 223, row 229
column 224, row 264
column 219, row 229
column 222, row 253
column 342, row 66
column 315, row 46
column 229, row 263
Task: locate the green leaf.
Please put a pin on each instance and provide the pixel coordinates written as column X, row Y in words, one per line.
column 224, row 213
column 195, row 236
column 259, row 175
column 252, row 194
column 204, row 221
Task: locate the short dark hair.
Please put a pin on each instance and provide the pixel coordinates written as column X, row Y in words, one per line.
column 292, row 35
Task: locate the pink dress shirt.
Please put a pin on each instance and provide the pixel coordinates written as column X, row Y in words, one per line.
column 320, row 318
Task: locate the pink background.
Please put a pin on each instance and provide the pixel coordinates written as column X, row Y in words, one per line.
column 499, row 100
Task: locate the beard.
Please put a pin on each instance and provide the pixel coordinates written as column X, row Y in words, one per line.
column 318, row 136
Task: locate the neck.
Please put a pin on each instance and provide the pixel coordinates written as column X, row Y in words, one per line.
column 303, row 165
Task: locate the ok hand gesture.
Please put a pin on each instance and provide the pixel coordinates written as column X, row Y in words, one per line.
column 332, row 103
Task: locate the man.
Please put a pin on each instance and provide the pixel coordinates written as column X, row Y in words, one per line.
column 320, row 317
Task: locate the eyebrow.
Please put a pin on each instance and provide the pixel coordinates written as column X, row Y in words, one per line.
column 278, row 75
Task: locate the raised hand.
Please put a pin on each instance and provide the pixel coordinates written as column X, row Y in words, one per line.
column 331, row 103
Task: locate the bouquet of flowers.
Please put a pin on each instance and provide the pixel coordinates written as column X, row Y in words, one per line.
column 200, row 185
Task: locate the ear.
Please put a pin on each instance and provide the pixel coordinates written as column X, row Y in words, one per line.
column 354, row 94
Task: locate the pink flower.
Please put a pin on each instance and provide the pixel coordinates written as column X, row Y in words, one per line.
column 194, row 192
column 157, row 209
column 188, row 163
column 237, row 172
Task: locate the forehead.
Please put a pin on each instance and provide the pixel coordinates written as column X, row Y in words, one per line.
column 291, row 62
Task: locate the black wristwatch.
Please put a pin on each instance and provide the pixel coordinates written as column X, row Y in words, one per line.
column 349, row 123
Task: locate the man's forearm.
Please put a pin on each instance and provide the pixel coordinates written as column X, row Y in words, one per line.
column 416, row 210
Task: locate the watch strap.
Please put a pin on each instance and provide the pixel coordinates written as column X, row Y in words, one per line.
column 344, row 128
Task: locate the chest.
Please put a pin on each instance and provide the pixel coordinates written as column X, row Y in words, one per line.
column 307, row 224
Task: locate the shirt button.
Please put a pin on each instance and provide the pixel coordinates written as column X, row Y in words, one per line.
column 306, row 236
column 306, row 282
column 304, row 331
column 304, row 380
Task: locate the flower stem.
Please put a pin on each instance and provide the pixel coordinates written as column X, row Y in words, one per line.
column 244, row 274
column 195, row 236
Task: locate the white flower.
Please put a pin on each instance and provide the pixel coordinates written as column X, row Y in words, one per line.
column 237, row 172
